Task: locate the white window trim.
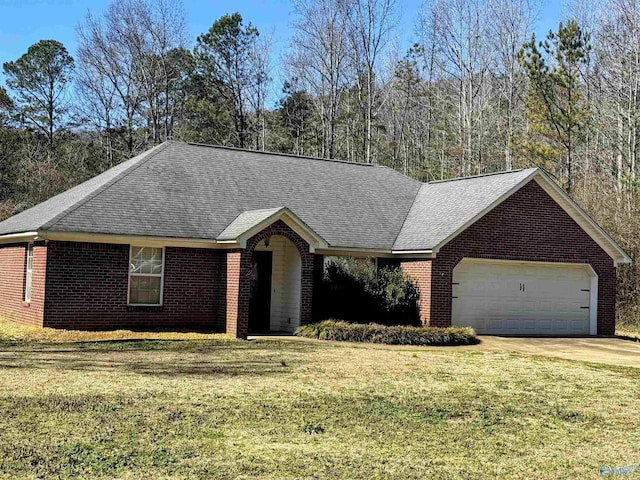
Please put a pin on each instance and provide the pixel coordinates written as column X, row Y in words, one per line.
column 28, row 274
column 129, row 275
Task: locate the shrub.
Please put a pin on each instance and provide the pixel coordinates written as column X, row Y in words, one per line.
column 392, row 335
column 354, row 289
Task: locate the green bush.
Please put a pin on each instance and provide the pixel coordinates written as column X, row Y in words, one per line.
column 355, row 289
column 392, row 335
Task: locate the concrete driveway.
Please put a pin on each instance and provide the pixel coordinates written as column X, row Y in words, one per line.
column 613, row 351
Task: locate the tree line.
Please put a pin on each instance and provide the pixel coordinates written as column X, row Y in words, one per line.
column 477, row 92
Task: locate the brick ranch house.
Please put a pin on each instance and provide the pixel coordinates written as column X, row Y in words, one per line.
column 198, row 237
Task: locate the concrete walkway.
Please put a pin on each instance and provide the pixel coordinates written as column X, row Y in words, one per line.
column 612, row 351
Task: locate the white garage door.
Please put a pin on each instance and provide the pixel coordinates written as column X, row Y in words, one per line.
column 516, row 298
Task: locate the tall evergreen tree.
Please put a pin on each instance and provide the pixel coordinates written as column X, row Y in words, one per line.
column 223, row 57
column 39, row 81
column 556, row 107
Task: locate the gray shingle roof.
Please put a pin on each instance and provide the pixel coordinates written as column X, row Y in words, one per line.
column 440, row 209
column 192, row 191
column 201, row 192
column 45, row 214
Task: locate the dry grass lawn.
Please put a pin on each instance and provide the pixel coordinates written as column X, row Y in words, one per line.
column 210, row 407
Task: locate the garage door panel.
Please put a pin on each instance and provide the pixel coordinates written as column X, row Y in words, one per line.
column 521, row 298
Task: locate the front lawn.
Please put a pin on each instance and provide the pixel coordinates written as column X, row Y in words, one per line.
column 216, row 408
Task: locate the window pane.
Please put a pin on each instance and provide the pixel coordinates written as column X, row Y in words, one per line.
column 27, row 287
column 30, row 257
column 145, row 290
column 28, row 273
column 133, row 295
column 146, row 260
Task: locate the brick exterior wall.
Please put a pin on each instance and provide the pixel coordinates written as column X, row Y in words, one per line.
column 239, row 263
column 420, row 272
column 13, row 258
column 86, row 288
column 237, row 319
column 528, row 226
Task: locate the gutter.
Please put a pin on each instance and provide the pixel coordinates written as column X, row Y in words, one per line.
column 18, row 237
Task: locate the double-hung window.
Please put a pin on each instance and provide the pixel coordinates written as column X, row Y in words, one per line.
column 28, row 273
column 146, row 269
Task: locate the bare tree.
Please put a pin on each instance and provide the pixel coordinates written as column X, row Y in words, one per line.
column 370, row 26
column 127, row 51
column 464, row 56
column 156, row 29
column 258, row 87
column 510, row 24
column 98, row 102
column 617, row 50
column 103, row 49
column 319, row 60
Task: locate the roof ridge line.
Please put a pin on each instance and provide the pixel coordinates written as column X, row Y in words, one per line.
column 145, row 156
column 277, row 154
column 480, row 175
column 407, row 214
column 403, row 175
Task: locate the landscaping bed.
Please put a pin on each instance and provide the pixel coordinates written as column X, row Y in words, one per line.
column 391, row 335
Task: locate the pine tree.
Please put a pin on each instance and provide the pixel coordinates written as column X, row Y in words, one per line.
column 556, row 108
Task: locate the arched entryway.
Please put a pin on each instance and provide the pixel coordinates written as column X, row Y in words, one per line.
column 276, row 277
column 292, row 259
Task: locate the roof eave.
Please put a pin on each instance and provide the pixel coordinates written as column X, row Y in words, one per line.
column 138, row 240
column 18, row 237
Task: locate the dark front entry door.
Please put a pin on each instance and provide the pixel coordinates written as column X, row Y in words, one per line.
column 260, row 303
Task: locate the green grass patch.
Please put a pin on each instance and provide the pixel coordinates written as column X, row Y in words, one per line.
column 390, row 335
column 209, row 409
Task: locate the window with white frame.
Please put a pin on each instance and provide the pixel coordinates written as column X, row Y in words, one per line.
column 146, row 270
column 28, row 273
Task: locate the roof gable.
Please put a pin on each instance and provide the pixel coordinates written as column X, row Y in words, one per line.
column 594, row 230
column 442, row 210
column 251, row 222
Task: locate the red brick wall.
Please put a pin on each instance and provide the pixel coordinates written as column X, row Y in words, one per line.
column 87, row 289
column 237, row 316
column 238, row 322
column 529, row 225
column 12, row 283
column 420, row 272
